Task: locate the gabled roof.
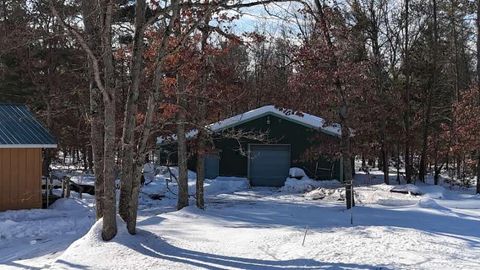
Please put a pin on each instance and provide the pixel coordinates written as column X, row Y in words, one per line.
column 20, row 129
column 301, row 118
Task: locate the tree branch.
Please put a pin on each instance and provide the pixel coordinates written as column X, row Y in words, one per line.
column 83, row 44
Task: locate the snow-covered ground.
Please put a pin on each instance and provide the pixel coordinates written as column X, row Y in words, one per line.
column 259, row 228
column 32, row 239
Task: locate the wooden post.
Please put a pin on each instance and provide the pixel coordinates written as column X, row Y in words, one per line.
column 67, row 186
column 63, row 188
column 47, row 190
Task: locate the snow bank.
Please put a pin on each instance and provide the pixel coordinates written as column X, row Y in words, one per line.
column 225, row 185
column 66, row 216
column 91, row 242
column 316, row 194
column 84, row 179
column 165, row 173
column 432, row 191
column 297, row 173
column 306, row 184
column 212, row 186
column 328, row 194
column 428, row 203
column 407, row 189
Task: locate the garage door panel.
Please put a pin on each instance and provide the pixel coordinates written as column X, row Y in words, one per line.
column 212, row 166
column 269, row 164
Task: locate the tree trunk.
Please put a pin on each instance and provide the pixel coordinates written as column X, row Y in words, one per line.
column 109, row 215
column 436, row 168
column 458, row 168
column 182, row 147
column 96, row 138
column 430, row 94
column 408, row 165
column 90, row 158
column 436, row 171
column 98, row 45
column 137, row 168
column 109, row 229
column 153, row 98
column 342, row 110
column 200, row 170
column 84, row 158
column 478, row 174
column 129, row 122
column 386, row 178
column 426, row 128
column 398, row 163
column 91, row 22
column 202, row 114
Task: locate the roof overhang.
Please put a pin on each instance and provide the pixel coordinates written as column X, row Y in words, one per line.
column 282, row 116
column 305, row 119
column 3, row 146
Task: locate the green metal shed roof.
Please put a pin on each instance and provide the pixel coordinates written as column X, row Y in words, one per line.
column 20, row 129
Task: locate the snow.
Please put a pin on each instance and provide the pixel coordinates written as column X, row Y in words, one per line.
column 84, row 179
column 263, row 229
column 312, row 121
column 256, row 228
column 316, row 194
column 38, row 222
column 327, row 194
column 221, row 184
column 294, row 185
column 32, row 238
column 149, row 171
column 408, row 188
column 297, row 173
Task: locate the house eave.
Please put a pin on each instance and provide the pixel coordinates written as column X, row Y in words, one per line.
column 284, row 117
column 17, row 146
column 316, row 124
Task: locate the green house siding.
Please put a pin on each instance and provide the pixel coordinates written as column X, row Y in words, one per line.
column 233, row 154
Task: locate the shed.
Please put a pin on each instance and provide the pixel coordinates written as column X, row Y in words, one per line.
column 22, row 139
column 290, row 135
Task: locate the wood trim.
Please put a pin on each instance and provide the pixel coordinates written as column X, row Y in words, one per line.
column 27, row 146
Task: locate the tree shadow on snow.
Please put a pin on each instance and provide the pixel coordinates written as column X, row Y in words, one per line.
column 434, row 219
column 69, row 265
column 153, row 246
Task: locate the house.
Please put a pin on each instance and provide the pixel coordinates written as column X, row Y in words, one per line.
column 289, row 136
column 22, row 139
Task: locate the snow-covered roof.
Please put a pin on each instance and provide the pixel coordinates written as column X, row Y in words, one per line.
column 301, row 118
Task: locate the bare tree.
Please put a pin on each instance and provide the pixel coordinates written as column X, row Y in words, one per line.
column 131, row 108
column 408, row 158
column 343, row 107
column 101, row 62
column 430, row 94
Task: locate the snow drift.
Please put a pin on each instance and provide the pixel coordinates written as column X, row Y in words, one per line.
column 305, row 184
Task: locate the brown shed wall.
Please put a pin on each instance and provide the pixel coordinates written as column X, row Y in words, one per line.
column 20, row 178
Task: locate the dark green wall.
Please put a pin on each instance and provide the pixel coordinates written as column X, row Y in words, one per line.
column 232, row 152
column 280, row 131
